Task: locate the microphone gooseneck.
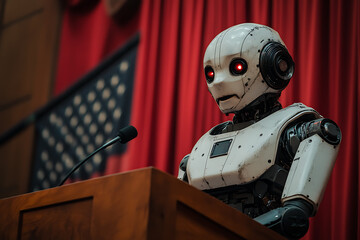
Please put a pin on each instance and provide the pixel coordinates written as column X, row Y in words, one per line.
column 125, row 134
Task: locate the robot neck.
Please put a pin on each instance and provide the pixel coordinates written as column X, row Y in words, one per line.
column 258, row 109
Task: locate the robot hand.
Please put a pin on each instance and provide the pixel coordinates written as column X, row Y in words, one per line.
column 291, row 220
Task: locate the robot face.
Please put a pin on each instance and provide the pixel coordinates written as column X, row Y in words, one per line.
column 244, row 62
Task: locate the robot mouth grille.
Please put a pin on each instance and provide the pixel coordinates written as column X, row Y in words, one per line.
column 224, row 98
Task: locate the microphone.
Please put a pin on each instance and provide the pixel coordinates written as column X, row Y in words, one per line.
column 125, row 134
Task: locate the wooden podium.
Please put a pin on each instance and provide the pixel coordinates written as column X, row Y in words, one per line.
column 141, row 204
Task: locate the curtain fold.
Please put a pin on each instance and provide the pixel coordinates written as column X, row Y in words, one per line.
column 87, row 37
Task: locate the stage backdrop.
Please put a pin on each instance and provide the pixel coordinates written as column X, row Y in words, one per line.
column 172, row 108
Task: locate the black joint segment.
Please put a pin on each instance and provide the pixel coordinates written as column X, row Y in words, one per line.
column 295, row 218
column 295, row 223
column 290, row 141
column 301, row 203
column 276, row 177
column 183, row 163
column 291, row 221
column 271, row 218
column 326, row 129
column 331, row 132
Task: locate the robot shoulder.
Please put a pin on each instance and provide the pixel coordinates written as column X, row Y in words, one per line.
column 289, row 116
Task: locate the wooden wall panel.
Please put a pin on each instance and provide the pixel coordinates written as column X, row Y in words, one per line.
column 15, row 164
column 17, row 9
column 28, row 51
column 19, row 46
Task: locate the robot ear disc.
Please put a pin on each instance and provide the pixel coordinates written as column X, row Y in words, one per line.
column 276, row 65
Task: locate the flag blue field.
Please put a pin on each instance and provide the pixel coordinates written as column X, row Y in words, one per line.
column 88, row 115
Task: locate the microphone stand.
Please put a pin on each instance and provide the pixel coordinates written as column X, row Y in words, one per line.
column 114, row 140
column 125, row 134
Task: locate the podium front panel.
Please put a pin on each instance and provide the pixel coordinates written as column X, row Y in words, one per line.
column 140, row 204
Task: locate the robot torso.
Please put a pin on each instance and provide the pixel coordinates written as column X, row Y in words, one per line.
column 241, row 156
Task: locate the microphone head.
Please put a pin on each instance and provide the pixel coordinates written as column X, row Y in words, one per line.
column 127, row 133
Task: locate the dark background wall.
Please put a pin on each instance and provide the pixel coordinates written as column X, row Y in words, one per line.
column 45, row 47
column 29, row 36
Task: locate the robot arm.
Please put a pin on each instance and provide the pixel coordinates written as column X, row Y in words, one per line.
column 182, row 169
column 314, row 146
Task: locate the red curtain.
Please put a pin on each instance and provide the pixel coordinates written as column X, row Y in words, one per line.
column 172, row 108
column 87, row 37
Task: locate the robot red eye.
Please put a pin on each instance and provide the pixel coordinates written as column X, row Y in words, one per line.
column 209, row 74
column 238, row 66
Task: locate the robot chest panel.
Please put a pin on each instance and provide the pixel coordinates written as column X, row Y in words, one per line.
column 232, row 158
column 239, row 157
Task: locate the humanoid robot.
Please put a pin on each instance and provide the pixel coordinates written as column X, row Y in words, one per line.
column 271, row 163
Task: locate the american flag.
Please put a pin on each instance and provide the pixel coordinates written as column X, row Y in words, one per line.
column 88, row 115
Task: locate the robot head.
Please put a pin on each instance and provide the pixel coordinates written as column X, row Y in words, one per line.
column 244, row 62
